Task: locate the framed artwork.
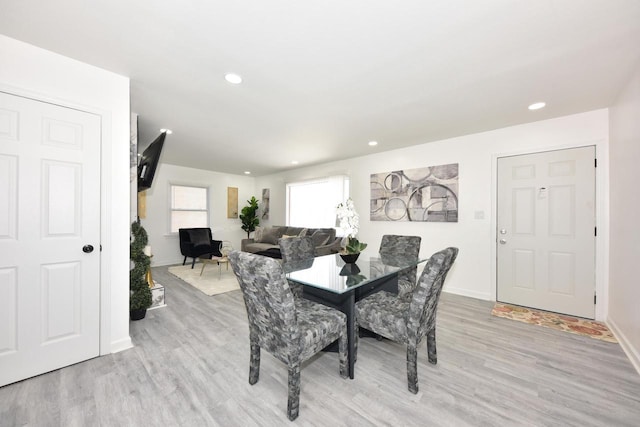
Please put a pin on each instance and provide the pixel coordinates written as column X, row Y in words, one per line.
column 428, row 194
column 232, row 202
column 265, row 203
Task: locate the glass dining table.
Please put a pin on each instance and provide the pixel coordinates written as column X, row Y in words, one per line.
column 328, row 280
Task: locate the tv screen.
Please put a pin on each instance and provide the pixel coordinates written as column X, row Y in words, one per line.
column 149, row 162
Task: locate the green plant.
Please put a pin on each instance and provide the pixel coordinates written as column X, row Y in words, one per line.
column 248, row 216
column 354, row 246
column 139, row 293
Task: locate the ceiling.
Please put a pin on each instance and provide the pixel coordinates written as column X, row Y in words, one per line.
column 322, row 78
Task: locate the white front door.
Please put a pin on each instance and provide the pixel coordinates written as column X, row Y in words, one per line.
column 546, row 231
column 49, row 212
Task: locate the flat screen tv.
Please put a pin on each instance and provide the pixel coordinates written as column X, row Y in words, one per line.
column 149, row 162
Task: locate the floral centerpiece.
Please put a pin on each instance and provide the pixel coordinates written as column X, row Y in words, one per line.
column 349, row 221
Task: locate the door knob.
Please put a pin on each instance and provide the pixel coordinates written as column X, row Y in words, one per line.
column 503, row 241
column 87, row 249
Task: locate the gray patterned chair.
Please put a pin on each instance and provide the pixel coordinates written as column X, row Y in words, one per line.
column 291, row 329
column 293, row 250
column 408, row 322
column 392, row 244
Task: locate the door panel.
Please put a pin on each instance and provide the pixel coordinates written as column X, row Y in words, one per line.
column 546, row 223
column 49, row 209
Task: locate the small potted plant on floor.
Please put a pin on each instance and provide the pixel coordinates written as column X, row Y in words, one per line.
column 139, row 293
column 249, row 217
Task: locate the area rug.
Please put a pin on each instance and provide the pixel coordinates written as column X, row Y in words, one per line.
column 574, row 325
column 211, row 282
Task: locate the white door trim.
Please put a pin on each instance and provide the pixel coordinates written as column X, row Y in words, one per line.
column 106, row 346
column 602, row 217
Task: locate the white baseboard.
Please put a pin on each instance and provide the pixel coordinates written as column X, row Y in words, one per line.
column 467, row 293
column 632, row 353
column 121, row 345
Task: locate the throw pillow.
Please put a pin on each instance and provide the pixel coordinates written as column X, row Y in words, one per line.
column 319, row 238
column 199, row 237
column 285, row 236
column 303, row 232
column 271, row 235
column 257, row 235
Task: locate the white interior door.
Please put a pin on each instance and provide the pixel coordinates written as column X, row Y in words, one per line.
column 546, row 231
column 49, row 211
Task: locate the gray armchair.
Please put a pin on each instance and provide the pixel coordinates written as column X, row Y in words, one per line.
column 409, row 321
column 291, row 329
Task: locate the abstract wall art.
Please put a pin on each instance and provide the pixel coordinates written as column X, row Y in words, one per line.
column 265, row 203
column 427, row 194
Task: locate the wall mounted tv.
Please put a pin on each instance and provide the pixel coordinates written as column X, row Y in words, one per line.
column 149, row 162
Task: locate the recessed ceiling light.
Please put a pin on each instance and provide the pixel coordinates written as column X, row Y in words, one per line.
column 167, row 131
column 294, row 162
column 537, row 105
column 373, row 143
column 247, row 172
column 233, row 78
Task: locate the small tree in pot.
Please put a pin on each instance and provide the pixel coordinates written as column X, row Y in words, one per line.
column 140, row 297
column 249, row 217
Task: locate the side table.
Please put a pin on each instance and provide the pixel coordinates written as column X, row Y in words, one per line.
column 215, row 259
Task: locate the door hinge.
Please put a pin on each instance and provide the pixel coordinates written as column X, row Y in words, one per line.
column 594, row 299
column 595, row 231
column 595, row 163
column 100, row 248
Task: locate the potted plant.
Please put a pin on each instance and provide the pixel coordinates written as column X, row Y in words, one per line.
column 139, row 293
column 249, row 217
column 349, row 221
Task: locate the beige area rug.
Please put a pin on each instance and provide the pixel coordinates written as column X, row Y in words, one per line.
column 574, row 325
column 211, row 282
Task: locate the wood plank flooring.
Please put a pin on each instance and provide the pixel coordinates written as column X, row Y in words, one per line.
column 190, row 367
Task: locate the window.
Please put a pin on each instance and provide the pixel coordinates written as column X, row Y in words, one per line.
column 189, row 207
column 313, row 203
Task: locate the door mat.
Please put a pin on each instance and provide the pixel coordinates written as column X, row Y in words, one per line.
column 574, row 325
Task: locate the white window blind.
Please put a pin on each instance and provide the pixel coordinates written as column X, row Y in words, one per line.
column 313, row 203
column 189, row 207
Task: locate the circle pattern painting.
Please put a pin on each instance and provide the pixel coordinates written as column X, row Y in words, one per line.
column 424, row 194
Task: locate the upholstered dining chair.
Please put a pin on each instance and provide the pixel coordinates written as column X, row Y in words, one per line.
column 291, row 329
column 392, row 244
column 408, row 322
column 295, row 249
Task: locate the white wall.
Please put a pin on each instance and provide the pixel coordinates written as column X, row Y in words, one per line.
column 165, row 246
column 624, row 298
column 473, row 273
column 30, row 71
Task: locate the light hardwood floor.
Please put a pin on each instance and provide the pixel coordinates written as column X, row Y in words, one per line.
column 190, row 367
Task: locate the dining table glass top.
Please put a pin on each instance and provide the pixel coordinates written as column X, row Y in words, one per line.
column 330, row 273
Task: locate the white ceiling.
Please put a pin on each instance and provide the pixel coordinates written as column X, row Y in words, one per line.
column 322, row 78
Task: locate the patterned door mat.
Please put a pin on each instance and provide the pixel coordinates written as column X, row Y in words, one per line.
column 562, row 322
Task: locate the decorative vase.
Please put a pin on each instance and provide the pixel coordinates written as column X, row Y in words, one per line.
column 137, row 314
column 349, row 258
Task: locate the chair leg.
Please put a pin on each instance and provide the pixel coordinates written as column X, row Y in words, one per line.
column 184, row 261
column 293, row 404
column 254, row 364
column 431, row 346
column 193, row 262
column 412, row 368
column 343, row 347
